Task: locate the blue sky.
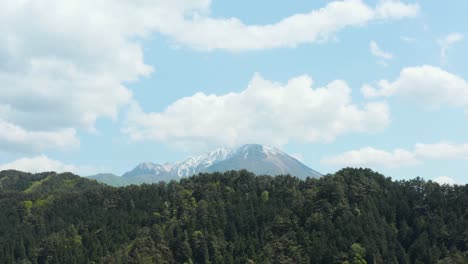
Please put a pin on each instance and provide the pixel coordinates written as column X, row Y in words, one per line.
column 100, row 87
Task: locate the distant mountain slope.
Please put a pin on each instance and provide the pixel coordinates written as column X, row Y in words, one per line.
column 118, row 181
column 197, row 164
column 259, row 159
column 148, row 168
column 111, row 179
column 262, row 160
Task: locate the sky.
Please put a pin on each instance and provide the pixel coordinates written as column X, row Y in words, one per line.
column 100, row 86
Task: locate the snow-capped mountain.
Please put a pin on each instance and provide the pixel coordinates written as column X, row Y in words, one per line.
column 259, row 159
column 263, row 160
column 194, row 165
column 148, row 168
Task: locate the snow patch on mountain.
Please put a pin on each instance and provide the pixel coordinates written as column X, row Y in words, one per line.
column 196, row 164
column 256, row 158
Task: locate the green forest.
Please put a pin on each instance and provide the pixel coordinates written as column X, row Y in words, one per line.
column 352, row 216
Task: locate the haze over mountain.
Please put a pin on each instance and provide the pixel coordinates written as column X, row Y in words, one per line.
column 259, row 159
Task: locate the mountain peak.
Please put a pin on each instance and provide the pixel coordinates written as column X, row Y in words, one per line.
column 259, row 159
column 147, row 165
column 263, row 160
column 146, row 168
column 267, row 150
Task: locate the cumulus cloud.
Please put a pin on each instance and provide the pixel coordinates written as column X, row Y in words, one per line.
column 42, row 163
column 265, row 112
column 447, row 42
column 16, row 139
column 371, row 157
column 207, row 33
column 394, row 9
column 430, row 86
column 63, row 68
column 378, row 52
column 53, row 94
column 442, row 150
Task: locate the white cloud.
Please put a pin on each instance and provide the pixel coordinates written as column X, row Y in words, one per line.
column 442, row 150
column 394, row 9
column 42, row 163
column 64, row 64
column 55, row 94
column 62, row 68
column 446, row 43
column 371, row 157
column 429, row 86
column 378, row 52
column 266, row 112
column 16, row 139
column 207, row 33
column 445, row 180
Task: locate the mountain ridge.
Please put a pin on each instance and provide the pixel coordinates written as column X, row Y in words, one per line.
column 256, row 158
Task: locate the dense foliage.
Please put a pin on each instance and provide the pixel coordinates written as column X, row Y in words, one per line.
column 353, row 216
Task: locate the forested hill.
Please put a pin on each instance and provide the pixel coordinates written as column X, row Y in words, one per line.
column 353, row 216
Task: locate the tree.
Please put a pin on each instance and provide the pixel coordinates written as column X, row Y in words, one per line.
column 358, row 254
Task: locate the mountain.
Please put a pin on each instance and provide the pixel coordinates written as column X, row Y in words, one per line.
column 148, row 168
column 110, row 179
column 149, row 172
column 262, row 160
column 259, row 159
column 202, row 163
column 118, row 181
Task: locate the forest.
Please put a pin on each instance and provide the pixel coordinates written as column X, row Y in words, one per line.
column 351, row 216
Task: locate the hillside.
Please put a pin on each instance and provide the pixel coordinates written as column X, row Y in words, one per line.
column 111, row 179
column 353, row 216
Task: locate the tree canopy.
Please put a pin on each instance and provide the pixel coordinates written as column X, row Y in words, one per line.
column 352, row 216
